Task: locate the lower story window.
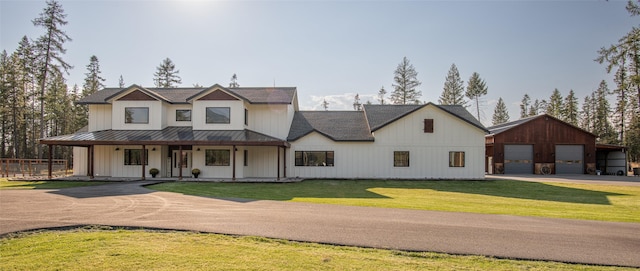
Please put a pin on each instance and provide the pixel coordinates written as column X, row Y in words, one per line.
column 314, row 158
column 456, row 159
column 400, row 158
column 133, row 157
column 217, row 157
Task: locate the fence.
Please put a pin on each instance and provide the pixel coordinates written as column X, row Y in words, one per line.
column 13, row 167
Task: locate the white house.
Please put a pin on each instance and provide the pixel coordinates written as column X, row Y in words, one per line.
column 260, row 132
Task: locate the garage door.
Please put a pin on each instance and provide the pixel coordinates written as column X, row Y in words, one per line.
column 569, row 159
column 518, row 159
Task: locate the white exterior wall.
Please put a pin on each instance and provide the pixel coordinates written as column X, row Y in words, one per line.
column 99, row 117
column 79, row 161
column 273, row 120
column 119, row 169
column 262, row 162
column 226, row 172
column 236, row 115
column 428, row 152
column 155, row 115
column 169, row 112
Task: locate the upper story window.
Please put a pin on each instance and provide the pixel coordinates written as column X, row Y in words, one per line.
column 218, row 115
column 136, row 115
column 246, row 116
column 183, row 115
column 428, row 125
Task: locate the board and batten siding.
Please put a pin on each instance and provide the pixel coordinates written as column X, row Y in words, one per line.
column 169, row 113
column 119, row 169
column 99, row 117
column 271, row 119
column 199, row 115
column 155, row 115
column 102, row 156
column 428, row 152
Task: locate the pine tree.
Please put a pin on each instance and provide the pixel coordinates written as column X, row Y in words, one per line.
column 524, row 106
column 534, row 110
column 602, row 126
column 234, row 81
column 50, row 47
column 166, row 75
column 356, row 103
column 554, row 107
column 476, row 88
column 586, row 114
column 325, row 104
column 92, row 83
column 453, row 91
column 406, row 82
column 121, row 82
column 570, row 108
column 500, row 114
column 381, row 94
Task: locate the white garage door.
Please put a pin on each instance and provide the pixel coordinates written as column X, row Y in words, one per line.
column 518, row 159
column 569, row 159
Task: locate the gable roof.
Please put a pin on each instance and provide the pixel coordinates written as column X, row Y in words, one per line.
column 382, row 115
column 500, row 128
column 253, row 95
column 336, row 125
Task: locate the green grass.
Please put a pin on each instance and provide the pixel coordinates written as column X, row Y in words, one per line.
column 558, row 200
column 5, row 184
column 121, row 249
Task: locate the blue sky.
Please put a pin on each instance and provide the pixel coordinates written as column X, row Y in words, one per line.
column 335, row 49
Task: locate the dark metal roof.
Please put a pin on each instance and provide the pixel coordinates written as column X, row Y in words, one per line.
column 254, row 95
column 166, row 136
column 381, row 115
column 493, row 130
column 336, row 125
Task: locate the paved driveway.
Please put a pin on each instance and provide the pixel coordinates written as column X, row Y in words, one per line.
column 130, row 204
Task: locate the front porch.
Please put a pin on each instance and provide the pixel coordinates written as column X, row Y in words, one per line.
column 173, row 179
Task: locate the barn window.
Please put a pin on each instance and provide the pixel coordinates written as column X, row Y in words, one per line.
column 314, row 158
column 428, row 125
column 456, row 159
column 400, row 158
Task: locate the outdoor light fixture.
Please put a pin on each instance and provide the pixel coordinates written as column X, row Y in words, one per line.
column 117, row 149
column 154, row 149
column 198, row 149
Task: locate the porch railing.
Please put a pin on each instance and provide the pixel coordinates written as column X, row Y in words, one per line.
column 14, row 167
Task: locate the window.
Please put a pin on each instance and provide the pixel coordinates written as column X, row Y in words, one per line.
column 456, row 159
column 246, row 117
column 246, row 158
column 136, row 115
column 133, row 157
column 217, row 157
column 218, row 115
column 400, row 158
column 183, row 115
column 428, row 125
column 314, row 158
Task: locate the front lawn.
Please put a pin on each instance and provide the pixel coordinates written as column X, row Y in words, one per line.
column 6, row 184
column 559, row 200
column 120, row 249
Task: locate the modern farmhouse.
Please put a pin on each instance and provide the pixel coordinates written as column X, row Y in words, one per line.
column 229, row 133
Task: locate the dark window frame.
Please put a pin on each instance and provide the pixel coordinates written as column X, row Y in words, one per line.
column 210, row 158
column 130, row 115
column 246, row 157
column 399, row 160
column 314, row 158
column 212, row 119
column 183, row 110
column 246, row 116
column 457, row 159
column 428, row 126
column 132, row 157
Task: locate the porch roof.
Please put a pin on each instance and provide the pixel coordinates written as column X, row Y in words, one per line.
column 166, row 136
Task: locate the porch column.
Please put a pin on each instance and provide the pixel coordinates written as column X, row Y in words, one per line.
column 179, row 157
column 50, row 157
column 284, row 164
column 278, row 164
column 143, row 156
column 90, row 154
column 233, row 163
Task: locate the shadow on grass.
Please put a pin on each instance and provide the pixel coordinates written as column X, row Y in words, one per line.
column 360, row 189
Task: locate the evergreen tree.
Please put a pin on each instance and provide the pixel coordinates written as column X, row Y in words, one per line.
column 554, row 107
column 50, row 46
column 476, row 88
column 602, row 126
column 406, row 82
column 524, row 106
column 325, row 104
column 570, row 108
column 381, row 94
column 234, row 81
column 356, row 103
column 500, row 114
column 92, row 83
column 453, row 91
column 586, row 114
column 534, row 110
column 621, row 92
column 121, row 82
column 166, row 75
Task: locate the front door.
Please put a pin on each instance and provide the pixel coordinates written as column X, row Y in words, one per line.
column 186, row 163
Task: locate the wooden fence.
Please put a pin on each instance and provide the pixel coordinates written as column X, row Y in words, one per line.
column 13, row 167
